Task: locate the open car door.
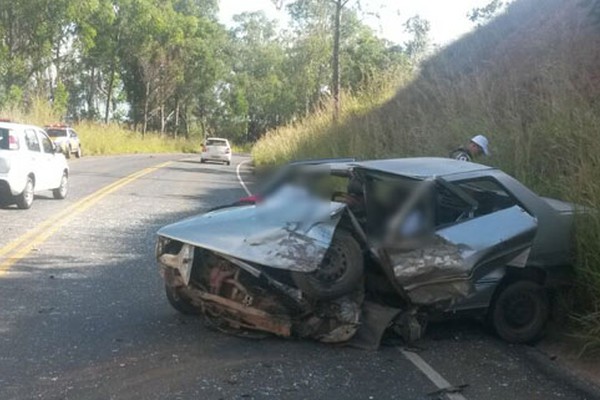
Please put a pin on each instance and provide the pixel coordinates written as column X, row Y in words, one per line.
column 440, row 267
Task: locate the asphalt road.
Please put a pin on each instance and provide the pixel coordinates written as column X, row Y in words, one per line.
column 83, row 313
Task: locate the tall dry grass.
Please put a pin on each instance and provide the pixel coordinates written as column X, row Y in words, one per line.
column 102, row 139
column 529, row 80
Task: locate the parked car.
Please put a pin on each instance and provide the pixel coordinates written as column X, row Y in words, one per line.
column 66, row 139
column 216, row 149
column 371, row 245
column 29, row 163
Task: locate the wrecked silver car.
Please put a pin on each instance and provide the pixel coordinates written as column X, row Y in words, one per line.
column 343, row 251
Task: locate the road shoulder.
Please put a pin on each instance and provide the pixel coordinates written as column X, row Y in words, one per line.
column 559, row 357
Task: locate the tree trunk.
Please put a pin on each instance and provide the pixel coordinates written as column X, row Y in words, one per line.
column 336, row 59
column 92, row 93
column 162, row 119
column 146, row 104
column 111, row 82
column 176, row 132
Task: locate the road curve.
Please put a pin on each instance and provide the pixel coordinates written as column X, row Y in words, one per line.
column 83, row 314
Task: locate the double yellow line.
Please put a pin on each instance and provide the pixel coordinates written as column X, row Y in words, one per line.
column 20, row 247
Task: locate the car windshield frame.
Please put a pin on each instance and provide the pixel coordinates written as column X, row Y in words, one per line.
column 52, row 133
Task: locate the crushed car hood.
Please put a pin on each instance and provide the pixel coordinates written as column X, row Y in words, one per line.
column 291, row 230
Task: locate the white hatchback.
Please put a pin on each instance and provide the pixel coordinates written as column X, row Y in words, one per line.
column 216, row 149
column 29, row 163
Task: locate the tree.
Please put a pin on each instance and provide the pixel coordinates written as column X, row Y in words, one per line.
column 481, row 15
column 418, row 47
column 339, row 5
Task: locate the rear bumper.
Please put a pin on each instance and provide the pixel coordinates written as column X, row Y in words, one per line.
column 216, row 157
column 10, row 185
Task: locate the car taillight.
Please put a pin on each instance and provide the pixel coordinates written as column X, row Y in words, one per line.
column 13, row 142
column 250, row 199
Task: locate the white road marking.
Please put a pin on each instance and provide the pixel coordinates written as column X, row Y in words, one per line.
column 237, row 171
column 430, row 373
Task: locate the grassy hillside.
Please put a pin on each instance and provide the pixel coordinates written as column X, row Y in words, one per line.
column 529, row 80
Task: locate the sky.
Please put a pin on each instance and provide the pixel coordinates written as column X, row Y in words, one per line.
column 448, row 18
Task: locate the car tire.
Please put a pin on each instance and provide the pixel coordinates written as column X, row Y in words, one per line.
column 5, row 201
column 228, row 162
column 68, row 152
column 520, row 312
column 202, row 161
column 79, row 152
column 61, row 192
column 340, row 272
column 180, row 303
column 25, row 199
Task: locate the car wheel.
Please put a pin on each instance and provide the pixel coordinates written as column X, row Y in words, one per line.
column 228, row 162
column 68, row 152
column 79, row 152
column 520, row 312
column 339, row 273
column 180, row 303
column 202, row 161
column 5, row 201
column 61, row 191
column 25, row 199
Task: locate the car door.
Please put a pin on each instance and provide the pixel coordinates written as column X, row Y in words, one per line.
column 52, row 167
column 457, row 243
column 34, row 159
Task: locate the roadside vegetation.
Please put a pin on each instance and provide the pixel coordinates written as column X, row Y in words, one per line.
column 528, row 79
column 105, row 139
column 172, row 67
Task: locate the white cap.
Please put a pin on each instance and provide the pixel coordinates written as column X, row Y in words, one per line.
column 482, row 142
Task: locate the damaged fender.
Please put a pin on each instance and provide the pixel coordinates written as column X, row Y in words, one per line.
column 292, row 230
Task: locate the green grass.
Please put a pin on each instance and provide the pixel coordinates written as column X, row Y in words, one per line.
column 528, row 80
column 99, row 139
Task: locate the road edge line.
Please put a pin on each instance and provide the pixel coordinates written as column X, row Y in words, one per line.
column 438, row 380
column 237, row 171
column 11, row 246
column 46, row 229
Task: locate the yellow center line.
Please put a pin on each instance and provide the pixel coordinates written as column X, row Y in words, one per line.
column 25, row 243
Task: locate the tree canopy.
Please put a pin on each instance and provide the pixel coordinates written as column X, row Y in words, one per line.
column 171, row 66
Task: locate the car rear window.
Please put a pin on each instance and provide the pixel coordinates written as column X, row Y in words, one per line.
column 4, row 139
column 216, row 142
column 55, row 133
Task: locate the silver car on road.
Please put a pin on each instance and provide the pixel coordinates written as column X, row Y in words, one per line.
column 342, row 251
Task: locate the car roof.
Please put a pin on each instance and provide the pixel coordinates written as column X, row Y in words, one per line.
column 14, row 125
column 217, row 138
column 423, row 167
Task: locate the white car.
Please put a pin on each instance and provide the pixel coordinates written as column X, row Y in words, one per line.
column 66, row 139
column 29, row 163
column 216, row 149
